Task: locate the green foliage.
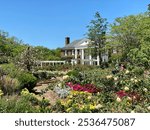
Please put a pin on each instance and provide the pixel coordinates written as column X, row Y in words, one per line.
column 16, row 79
column 27, row 80
column 3, row 60
column 9, row 85
column 10, row 70
column 16, row 105
column 138, row 70
column 133, row 33
column 44, row 53
column 42, row 75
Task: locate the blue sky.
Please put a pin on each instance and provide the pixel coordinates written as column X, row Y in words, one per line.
column 48, row 22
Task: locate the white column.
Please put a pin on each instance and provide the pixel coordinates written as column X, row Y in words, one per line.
column 65, row 52
column 76, row 56
column 97, row 60
column 82, row 56
column 90, row 58
column 41, row 65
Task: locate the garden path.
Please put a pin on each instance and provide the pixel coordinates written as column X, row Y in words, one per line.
column 44, row 92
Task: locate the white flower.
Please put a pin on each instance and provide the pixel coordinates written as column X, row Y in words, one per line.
column 145, row 90
column 98, row 106
column 134, row 97
column 148, row 108
column 126, row 88
column 65, row 77
column 132, row 79
column 118, row 99
column 98, row 93
column 59, row 85
column 70, row 96
column 129, row 98
column 115, row 78
column 89, row 97
column 132, row 111
column 127, row 72
column 135, row 80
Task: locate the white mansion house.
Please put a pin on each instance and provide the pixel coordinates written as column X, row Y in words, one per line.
column 76, row 52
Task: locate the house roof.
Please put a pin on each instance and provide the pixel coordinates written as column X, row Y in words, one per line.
column 77, row 44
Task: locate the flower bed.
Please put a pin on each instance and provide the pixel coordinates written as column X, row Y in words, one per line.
column 86, row 88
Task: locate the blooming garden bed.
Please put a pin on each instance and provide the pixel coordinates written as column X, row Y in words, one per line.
column 91, row 91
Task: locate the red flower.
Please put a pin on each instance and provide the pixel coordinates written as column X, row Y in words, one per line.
column 121, row 94
column 86, row 88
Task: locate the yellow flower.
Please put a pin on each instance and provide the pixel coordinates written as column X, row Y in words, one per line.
column 70, row 96
column 128, row 103
column 25, row 92
column 63, row 103
column 1, row 93
column 92, row 107
column 68, row 110
column 74, row 93
column 69, row 101
column 82, row 93
column 126, row 88
column 81, row 107
column 118, row 99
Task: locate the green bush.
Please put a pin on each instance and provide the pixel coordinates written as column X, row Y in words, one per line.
column 27, row 80
column 41, row 75
column 9, row 85
column 16, row 104
column 3, row 60
column 10, row 70
column 138, row 70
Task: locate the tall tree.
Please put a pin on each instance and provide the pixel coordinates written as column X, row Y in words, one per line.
column 149, row 9
column 125, row 31
column 97, row 35
column 133, row 33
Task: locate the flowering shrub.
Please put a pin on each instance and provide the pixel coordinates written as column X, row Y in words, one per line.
column 78, row 102
column 86, row 88
column 121, row 92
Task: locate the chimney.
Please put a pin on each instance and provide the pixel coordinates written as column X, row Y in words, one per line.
column 67, row 40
